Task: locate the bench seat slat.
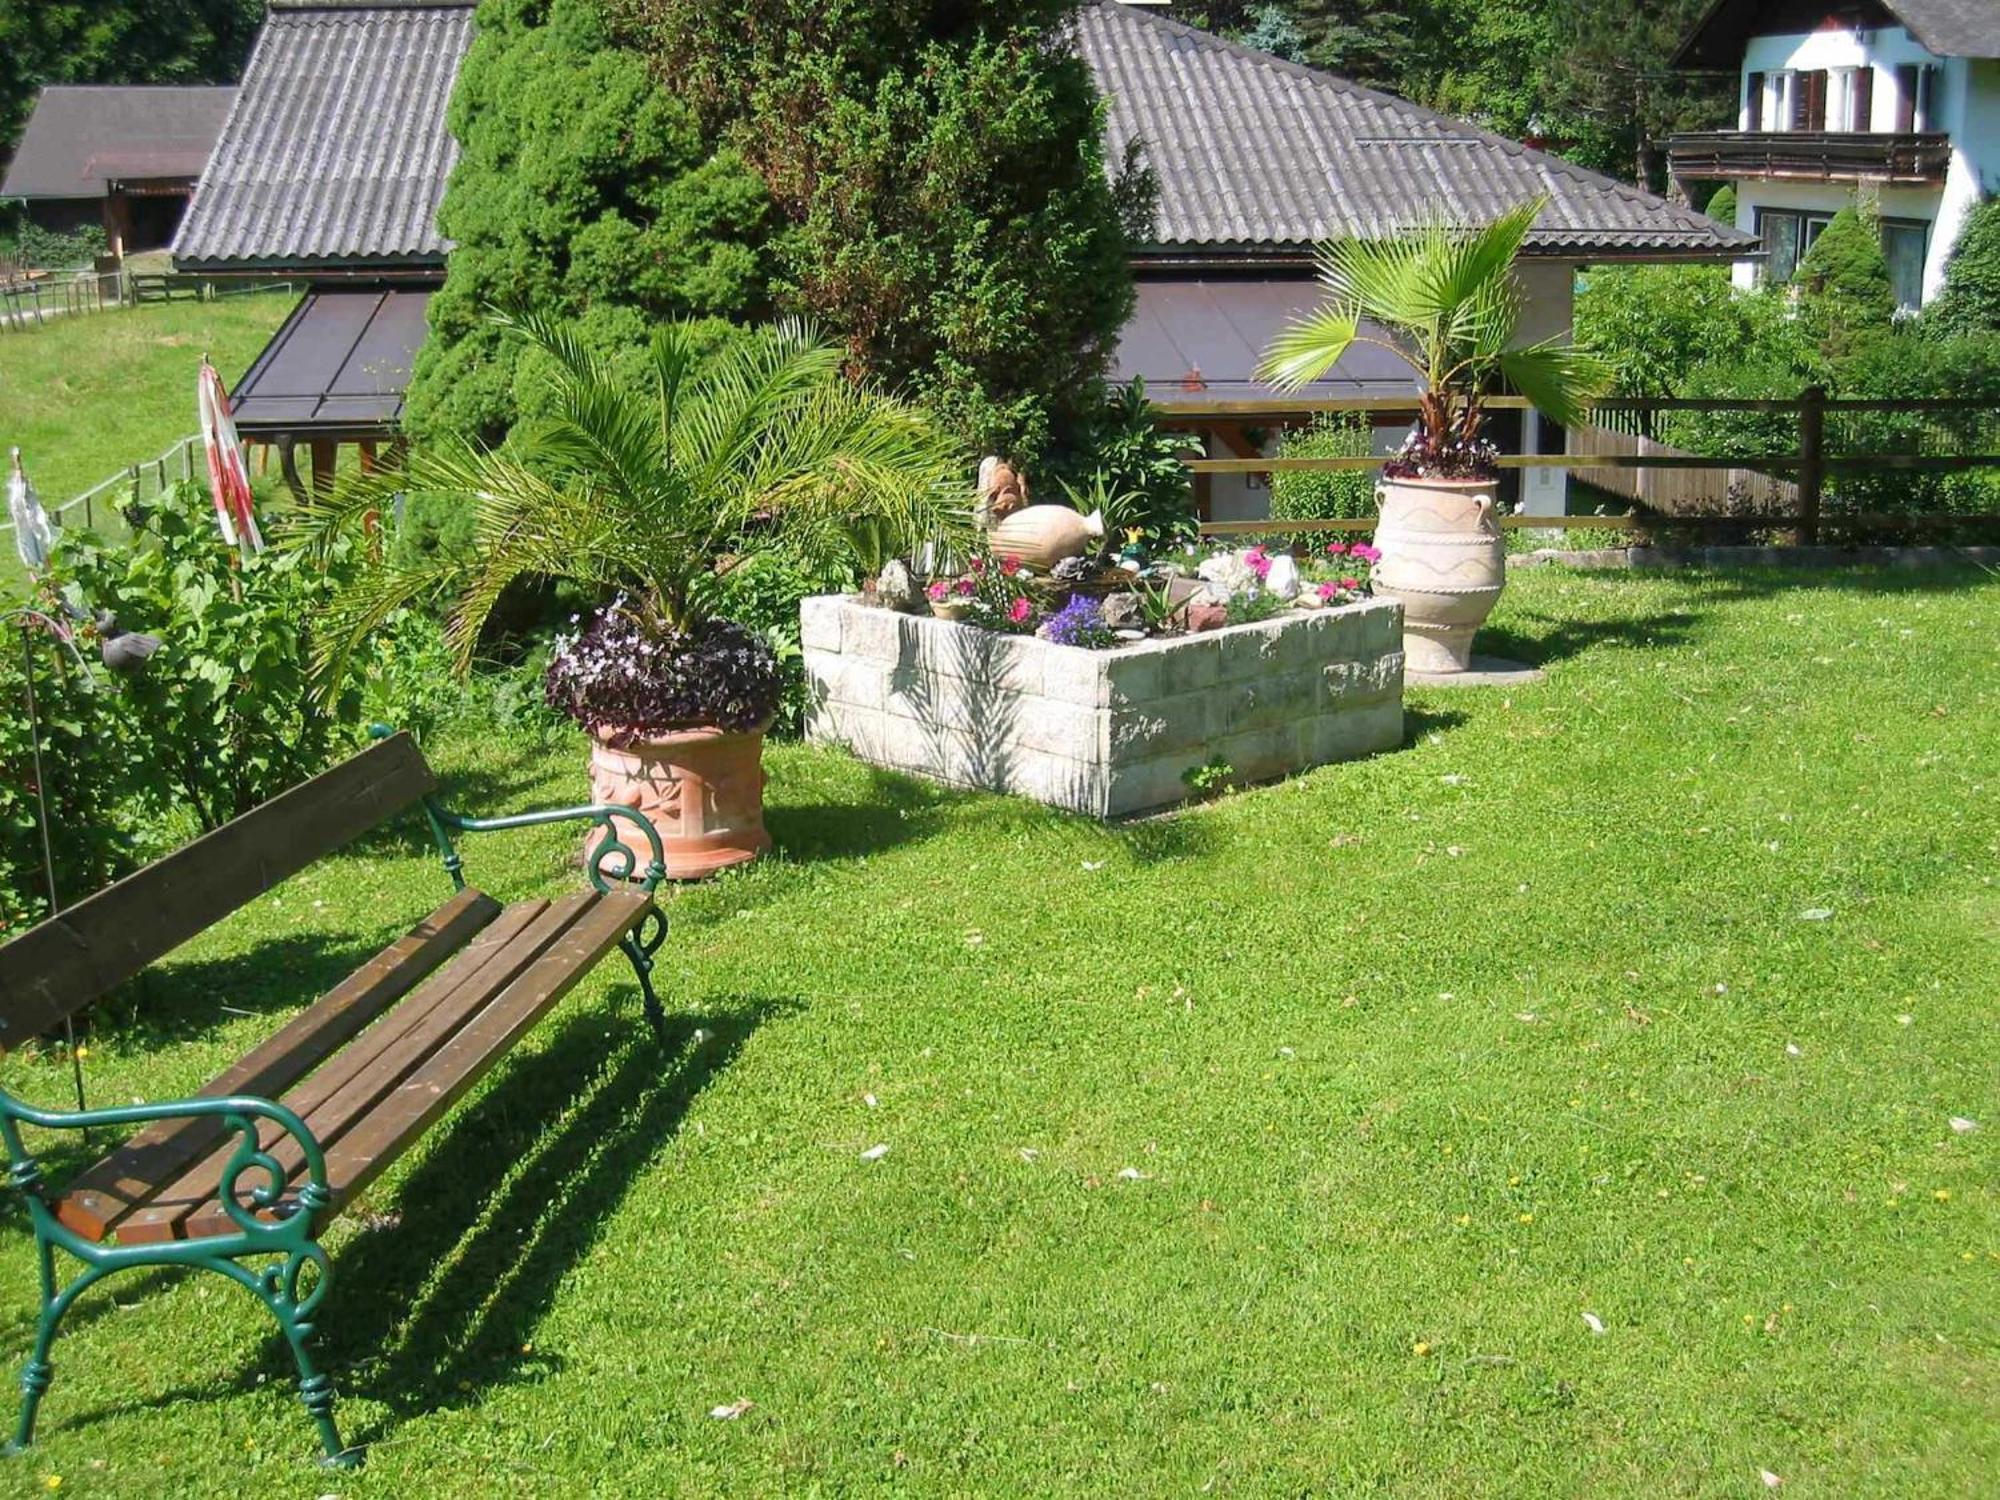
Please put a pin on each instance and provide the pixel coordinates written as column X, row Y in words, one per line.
column 394, row 1045
column 361, row 1155
column 123, row 1181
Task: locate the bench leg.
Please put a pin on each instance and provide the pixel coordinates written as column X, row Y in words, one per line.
column 278, row 1289
column 39, row 1372
column 640, row 944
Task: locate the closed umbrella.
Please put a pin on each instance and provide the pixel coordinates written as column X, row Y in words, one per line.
column 228, row 479
column 33, row 540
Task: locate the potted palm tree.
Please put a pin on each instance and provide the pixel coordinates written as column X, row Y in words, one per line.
column 1444, row 301
column 646, row 494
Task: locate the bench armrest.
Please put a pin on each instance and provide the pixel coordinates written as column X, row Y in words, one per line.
column 238, row 1111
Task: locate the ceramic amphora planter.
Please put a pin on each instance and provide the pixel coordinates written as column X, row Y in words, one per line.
column 1444, row 561
column 1043, row 535
column 701, row 789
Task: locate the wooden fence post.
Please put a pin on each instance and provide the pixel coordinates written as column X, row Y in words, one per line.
column 1812, row 462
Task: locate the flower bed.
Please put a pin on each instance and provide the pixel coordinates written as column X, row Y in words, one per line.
column 1103, row 732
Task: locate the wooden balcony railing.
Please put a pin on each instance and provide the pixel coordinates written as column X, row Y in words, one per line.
column 1811, row 155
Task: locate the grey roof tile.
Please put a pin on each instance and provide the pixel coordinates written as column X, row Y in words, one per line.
column 1255, row 152
column 336, row 154
column 82, row 137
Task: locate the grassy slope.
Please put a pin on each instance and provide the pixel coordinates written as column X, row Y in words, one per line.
column 84, row 397
column 1445, row 1049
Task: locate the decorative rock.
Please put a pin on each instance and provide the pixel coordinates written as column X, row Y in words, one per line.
column 896, row 589
column 1283, row 579
column 1122, row 612
column 1206, row 614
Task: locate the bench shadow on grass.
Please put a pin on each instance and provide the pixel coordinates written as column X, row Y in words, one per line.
column 536, row 1206
column 503, row 1214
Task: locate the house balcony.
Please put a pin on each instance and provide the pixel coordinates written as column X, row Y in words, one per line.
column 1916, row 160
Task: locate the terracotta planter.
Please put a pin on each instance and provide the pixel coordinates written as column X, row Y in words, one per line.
column 1444, row 560
column 1043, row 535
column 702, row 789
column 950, row 609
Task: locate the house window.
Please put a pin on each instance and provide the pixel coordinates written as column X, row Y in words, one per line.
column 1904, row 242
column 1788, row 233
column 1861, row 100
column 1753, row 90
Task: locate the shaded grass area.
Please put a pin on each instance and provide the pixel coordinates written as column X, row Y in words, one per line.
column 1277, row 1147
column 83, row 397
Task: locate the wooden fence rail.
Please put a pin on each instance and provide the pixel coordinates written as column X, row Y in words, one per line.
column 1629, row 449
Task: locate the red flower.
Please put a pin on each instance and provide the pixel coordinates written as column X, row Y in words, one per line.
column 1009, row 566
column 967, row 586
column 1350, row 583
column 1020, row 609
column 1335, row 549
column 978, row 567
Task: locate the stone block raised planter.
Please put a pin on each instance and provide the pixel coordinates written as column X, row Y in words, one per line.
column 1102, row 732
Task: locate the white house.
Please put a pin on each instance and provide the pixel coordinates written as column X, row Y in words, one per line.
column 1896, row 99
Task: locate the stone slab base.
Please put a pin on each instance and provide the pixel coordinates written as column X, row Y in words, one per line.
column 1484, row 671
column 1107, row 733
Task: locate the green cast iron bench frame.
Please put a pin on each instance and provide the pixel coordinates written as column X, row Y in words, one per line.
column 320, row 1109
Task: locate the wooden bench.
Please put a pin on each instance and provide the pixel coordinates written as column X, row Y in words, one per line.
column 241, row 1178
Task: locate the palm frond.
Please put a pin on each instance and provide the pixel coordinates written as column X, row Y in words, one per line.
column 1310, row 346
column 1559, row 380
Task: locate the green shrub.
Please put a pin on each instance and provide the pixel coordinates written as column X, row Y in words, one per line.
column 1845, row 291
column 1906, row 364
column 1657, row 323
column 1722, row 206
column 27, row 244
column 1121, row 451
column 586, row 188
column 224, row 717
column 1969, row 302
column 1328, row 494
column 84, row 774
column 763, row 593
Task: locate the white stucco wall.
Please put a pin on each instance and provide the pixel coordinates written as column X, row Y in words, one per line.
column 1965, row 104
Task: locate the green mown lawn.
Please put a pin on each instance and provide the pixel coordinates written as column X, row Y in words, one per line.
column 1296, row 1145
column 83, row 397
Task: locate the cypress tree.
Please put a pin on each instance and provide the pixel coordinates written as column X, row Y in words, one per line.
column 1969, row 302
column 583, row 187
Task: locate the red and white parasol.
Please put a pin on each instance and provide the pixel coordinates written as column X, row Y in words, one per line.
column 228, row 479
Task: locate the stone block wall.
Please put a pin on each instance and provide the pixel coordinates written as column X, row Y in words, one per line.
column 1102, row 732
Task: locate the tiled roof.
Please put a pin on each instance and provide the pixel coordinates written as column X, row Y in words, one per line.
column 1257, row 153
column 1952, row 28
column 336, row 154
column 1948, row 28
column 81, row 138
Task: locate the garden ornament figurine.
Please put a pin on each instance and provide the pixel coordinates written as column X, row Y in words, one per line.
column 1003, row 489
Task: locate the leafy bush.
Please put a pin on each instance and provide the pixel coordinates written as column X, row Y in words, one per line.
column 84, row 774
column 1656, row 324
column 939, row 174
column 1969, row 302
column 29, row 245
column 1722, row 205
column 1904, row 364
column 223, row 717
column 763, row 593
column 1328, row 494
column 1121, row 452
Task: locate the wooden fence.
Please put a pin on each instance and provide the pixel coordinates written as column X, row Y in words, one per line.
column 1961, row 420
column 108, row 499
column 26, row 304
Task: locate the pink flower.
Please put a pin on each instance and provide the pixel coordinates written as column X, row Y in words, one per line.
column 1350, row 583
column 1367, row 553
column 978, row 566
column 937, row 591
column 1020, row 609
column 1327, row 592
column 1335, row 549
column 1257, row 562
column 1009, row 566
column 967, row 586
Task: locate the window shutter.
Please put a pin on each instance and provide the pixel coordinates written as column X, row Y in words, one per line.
column 1814, row 95
column 1863, row 109
column 1755, row 89
column 1906, row 98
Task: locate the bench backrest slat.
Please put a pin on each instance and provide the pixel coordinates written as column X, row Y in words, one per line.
column 57, row 968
